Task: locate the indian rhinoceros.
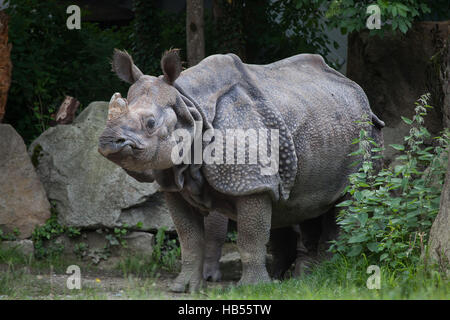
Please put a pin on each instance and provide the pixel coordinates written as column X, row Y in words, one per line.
column 294, row 119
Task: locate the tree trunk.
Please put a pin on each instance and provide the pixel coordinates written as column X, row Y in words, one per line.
column 5, row 63
column 195, row 39
column 439, row 247
column 445, row 79
column 67, row 110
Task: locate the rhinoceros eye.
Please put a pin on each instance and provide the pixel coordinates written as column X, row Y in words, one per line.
column 151, row 123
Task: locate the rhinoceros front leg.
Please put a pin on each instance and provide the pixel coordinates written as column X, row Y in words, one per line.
column 189, row 226
column 216, row 226
column 254, row 213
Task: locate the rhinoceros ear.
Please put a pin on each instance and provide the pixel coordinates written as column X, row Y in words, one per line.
column 171, row 65
column 123, row 66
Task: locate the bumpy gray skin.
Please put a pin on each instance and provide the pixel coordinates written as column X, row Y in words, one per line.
column 315, row 109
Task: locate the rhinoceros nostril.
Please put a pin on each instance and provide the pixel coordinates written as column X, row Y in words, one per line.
column 120, row 141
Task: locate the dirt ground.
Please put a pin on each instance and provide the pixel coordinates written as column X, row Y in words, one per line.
column 95, row 284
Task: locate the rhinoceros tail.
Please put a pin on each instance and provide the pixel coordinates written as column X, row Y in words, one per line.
column 377, row 122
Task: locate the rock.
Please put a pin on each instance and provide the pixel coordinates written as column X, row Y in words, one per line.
column 230, row 262
column 95, row 246
column 89, row 191
column 145, row 213
column 140, row 243
column 439, row 244
column 23, row 202
column 396, row 70
column 25, row 246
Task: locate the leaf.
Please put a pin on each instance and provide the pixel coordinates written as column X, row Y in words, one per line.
column 373, row 246
column 407, row 120
column 359, row 195
column 345, row 203
column 355, row 250
column 402, row 7
column 358, row 238
column 398, row 169
column 394, row 11
column 383, row 256
column 402, row 157
column 398, row 147
column 402, row 26
column 362, row 218
column 394, row 25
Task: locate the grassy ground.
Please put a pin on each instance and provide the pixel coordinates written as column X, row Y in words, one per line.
column 341, row 280
column 26, row 278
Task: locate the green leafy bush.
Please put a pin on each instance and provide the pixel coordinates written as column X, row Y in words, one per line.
column 51, row 61
column 166, row 252
column 165, row 257
column 351, row 15
column 388, row 214
column 291, row 27
column 154, row 31
column 49, row 231
column 259, row 32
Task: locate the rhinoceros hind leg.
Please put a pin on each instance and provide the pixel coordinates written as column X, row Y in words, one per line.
column 330, row 231
column 308, row 235
column 313, row 241
column 283, row 245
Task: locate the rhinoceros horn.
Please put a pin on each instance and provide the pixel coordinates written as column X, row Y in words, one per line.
column 117, row 106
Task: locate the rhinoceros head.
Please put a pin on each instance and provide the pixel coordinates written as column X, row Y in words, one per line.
column 138, row 134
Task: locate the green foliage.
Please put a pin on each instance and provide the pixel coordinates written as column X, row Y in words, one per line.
column 49, row 231
column 266, row 31
column 344, row 278
column 116, row 237
column 166, row 252
column 351, row 15
column 155, row 31
column 81, row 249
column 51, row 61
column 35, row 156
column 388, row 215
column 232, row 236
column 300, row 27
column 165, row 257
column 258, row 32
column 9, row 236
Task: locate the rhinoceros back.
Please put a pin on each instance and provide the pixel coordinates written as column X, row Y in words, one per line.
column 313, row 106
column 321, row 107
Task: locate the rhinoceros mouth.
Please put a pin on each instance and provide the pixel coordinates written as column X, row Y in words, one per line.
column 118, row 148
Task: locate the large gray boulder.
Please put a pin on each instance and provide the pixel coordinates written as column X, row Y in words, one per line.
column 88, row 190
column 24, row 246
column 95, row 247
column 23, row 202
column 440, row 231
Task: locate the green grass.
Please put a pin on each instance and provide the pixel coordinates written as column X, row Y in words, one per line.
column 342, row 279
column 23, row 277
